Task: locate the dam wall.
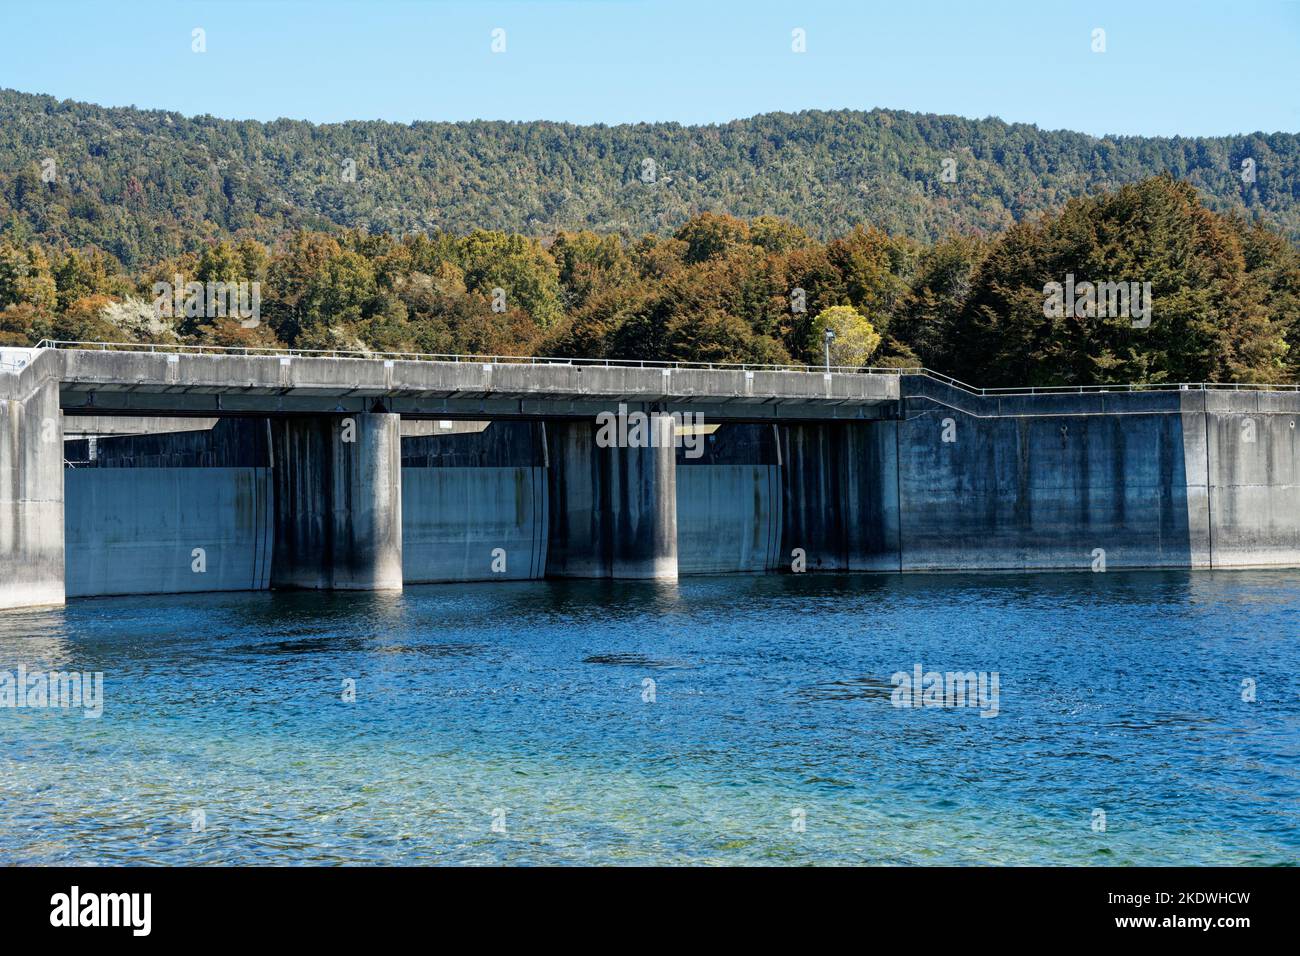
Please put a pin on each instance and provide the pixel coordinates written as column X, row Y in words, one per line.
column 729, row 501
column 474, row 502
column 303, row 474
column 167, row 530
column 1252, row 469
column 1050, row 485
column 1181, row 478
column 169, row 512
column 840, row 493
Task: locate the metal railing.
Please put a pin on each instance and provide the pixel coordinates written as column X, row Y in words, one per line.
column 484, row 359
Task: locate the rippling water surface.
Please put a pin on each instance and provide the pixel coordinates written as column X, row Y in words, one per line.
column 770, row 737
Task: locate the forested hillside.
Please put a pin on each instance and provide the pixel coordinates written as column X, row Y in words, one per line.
column 146, row 185
column 1224, row 294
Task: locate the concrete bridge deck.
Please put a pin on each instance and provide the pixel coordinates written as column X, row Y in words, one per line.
column 101, row 379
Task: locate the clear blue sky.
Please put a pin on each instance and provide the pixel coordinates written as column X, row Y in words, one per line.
column 1194, row 68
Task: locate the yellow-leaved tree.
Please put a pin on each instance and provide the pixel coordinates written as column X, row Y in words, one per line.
column 855, row 339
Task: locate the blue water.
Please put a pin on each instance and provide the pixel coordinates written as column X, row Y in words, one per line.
column 771, row 737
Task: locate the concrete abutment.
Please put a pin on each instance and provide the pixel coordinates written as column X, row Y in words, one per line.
column 31, row 482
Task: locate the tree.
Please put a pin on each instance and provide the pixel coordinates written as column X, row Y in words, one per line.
column 220, row 262
column 24, row 325
column 519, row 267
column 1274, row 263
column 138, row 321
column 710, row 236
column 294, row 298
column 79, row 275
column 774, row 234
column 871, row 266
column 921, row 331
column 25, row 277
column 588, row 263
column 1209, row 315
column 84, row 321
column 855, row 340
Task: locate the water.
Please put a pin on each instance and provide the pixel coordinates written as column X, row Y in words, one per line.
column 522, row 705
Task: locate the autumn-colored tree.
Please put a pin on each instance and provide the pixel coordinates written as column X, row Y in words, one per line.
column 854, row 341
column 84, row 321
column 25, row 277
column 22, row 324
column 78, row 275
column 709, row 236
column 872, row 267
column 589, row 263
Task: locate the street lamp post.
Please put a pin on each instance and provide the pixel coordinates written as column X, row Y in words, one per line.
column 829, row 336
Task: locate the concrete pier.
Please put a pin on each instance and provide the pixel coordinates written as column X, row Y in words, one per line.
column 338, row 502
column 613, row 509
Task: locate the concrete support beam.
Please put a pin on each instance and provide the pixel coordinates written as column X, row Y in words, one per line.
column 338, row 502
column 31, row 486
column 613, row 509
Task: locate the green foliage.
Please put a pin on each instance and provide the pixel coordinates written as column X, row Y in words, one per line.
column 25, row 276
column 79, row 275
column 1211, row 318
column 524, row 272
column 147, row 186
column 1226, row 294
column 1273, row 267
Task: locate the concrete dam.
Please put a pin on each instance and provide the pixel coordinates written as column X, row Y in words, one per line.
column 143, row 469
